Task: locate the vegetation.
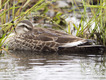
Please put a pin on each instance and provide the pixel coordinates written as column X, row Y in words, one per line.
column 98, row 18
column 12, row 11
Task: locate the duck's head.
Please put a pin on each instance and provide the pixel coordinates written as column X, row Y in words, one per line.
column 24, row 26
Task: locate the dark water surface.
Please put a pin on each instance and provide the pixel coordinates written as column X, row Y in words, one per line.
column 35, row 66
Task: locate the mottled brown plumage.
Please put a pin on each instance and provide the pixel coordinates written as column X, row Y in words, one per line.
column 41, row 39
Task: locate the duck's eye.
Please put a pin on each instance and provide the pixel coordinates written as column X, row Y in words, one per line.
column 27, row 27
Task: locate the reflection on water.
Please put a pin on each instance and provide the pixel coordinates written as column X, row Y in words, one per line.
column 52, row 66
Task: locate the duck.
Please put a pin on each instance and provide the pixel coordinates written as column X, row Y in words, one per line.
column 29, row 38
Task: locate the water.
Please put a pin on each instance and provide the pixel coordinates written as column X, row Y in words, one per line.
column 52, row 66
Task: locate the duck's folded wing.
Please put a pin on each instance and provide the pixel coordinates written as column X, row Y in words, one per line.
column 70, row 41
column 64, row 39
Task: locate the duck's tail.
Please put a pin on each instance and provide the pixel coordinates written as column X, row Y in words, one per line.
column 78, row 43
column 82, row 46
